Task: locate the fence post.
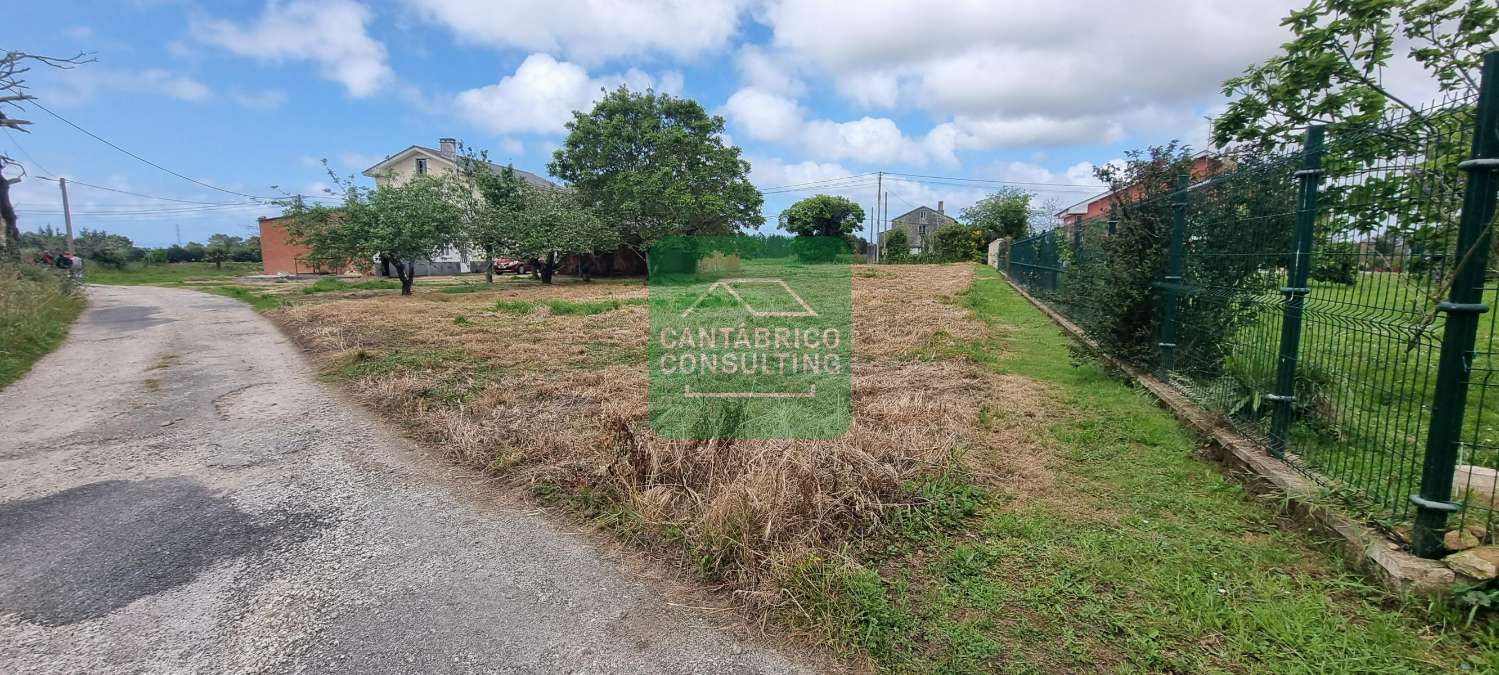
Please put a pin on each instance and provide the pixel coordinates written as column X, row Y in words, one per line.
column 1173, row 279
column 1308, row 178
column 1464, row 304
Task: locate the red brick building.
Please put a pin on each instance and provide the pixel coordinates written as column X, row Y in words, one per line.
column 1097, row 208
column 280, row 255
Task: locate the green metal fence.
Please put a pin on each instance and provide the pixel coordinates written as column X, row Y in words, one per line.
column 1328, row 301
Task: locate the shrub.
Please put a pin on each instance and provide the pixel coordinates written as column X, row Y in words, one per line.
column 36, row 308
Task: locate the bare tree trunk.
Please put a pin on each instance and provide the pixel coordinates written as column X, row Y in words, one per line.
column 488, row 266
column 12, row 232
column 406, row 272
column 548, row 268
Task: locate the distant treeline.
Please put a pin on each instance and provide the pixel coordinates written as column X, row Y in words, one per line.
column 117, row 250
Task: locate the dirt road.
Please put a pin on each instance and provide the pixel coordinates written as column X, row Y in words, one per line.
column 178, row 493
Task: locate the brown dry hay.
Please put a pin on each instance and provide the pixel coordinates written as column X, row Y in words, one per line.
column 561, row 400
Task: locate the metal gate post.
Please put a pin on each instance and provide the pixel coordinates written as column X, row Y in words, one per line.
column 1172, row 282
column 1308, row 179
column 1464, row 304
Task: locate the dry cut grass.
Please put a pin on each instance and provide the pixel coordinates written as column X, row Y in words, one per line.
column 558, row 402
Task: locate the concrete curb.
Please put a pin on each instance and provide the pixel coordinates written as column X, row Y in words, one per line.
column 1365, row 548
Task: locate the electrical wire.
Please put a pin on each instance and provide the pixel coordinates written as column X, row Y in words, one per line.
column 96, row 137
column 12, row 136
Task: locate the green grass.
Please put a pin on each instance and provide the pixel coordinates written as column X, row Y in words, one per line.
column 36, row 309
column 456, row 377
column 567, row 307
column 336, row 285
column 469, row 288
column 168, row 273
column 1146, row 560
column 260, row 301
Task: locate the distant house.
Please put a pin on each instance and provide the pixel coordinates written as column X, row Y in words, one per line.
column 1097, row 207
column 419, row 160
column 919, row 224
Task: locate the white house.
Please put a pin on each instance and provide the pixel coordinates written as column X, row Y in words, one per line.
column 419, row 160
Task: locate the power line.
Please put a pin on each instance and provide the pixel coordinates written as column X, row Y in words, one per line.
column 138, row 157
column 160, row 211
column 815, row 182
column 996, row 182
column 75, row 181
column 12, row 136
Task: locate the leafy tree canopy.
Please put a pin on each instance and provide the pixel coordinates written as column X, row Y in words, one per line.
column 1330, row 71
column 897, row 246
column 656, row 165
column 1006, row 213
column 823, row 216
column 957, row 243
column 399, row 224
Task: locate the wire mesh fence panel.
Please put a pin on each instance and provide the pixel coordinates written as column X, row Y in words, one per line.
column 1305, row 287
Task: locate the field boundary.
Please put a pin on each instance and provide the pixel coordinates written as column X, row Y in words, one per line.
column 1364, row 548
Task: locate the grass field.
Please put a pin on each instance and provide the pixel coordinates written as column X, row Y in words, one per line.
column 169, row 273
column 37, row 306
column 999, row 504
column 1366, row 378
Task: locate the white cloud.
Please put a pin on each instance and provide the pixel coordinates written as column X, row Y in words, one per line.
column 83, row 84
column 770, row 117
column 1026, row 71
column 265, row 99
column 80, row 32
column 590, row 31
column 331, row 33
column 878, row 89
column 542, row 93
column 767, row 71
column 358, row 161
column 769, row 172
column 764, row 116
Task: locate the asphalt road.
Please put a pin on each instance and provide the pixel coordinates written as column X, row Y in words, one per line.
column 178, row 493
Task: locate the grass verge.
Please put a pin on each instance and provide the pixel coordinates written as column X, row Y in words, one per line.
column 260, row 301
column 998, row 504
column 168, row 273
column 568, row 307
column 36, row 308
column 336, row 285
column 1143, row 559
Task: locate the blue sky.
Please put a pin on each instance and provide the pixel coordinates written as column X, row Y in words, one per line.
column 251, row 95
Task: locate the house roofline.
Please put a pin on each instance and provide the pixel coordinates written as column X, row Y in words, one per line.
column 373, row 172
column 944, row 215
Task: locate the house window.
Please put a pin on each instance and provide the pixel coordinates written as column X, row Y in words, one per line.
column 421, row 166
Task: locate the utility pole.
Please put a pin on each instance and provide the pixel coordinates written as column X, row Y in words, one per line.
column 885, row 212
column 179, row 234
column 67, row 214
column 879, row 189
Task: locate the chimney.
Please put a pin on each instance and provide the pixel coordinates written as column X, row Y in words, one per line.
column 447, row 147
column 939, row 206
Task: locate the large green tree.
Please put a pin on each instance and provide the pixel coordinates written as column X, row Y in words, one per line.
column 654, row 165
column 956, row 242
column 492, row 207
column 823, row 216
column 553, row 222
column 1332, row 72
column 1006, row 213
column 399, row 225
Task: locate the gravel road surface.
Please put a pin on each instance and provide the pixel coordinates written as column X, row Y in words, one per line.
column 178, row 493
